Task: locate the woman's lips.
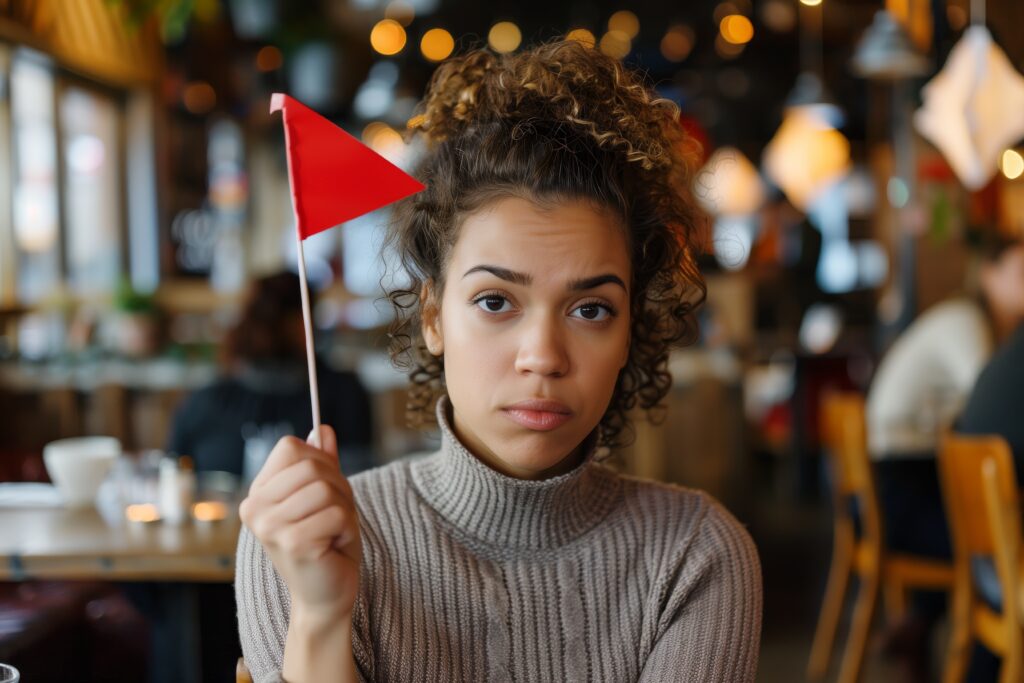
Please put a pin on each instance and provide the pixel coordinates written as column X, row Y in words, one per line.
column 540, row 415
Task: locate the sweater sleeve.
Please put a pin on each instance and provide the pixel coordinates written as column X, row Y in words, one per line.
column 712, row 618
column 264, row 606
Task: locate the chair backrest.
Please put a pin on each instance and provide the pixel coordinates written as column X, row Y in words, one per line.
column 242, row 674
column 974, row 522
column 844, row 434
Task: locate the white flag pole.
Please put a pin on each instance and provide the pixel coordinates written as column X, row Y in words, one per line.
column 307, row 320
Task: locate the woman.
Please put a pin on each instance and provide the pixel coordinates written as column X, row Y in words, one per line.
column 552, row 264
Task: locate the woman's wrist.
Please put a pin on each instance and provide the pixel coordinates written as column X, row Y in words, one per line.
column 318, row 646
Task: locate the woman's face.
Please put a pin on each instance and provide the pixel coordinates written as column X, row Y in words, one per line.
column 1003, row 281
column 534, row 328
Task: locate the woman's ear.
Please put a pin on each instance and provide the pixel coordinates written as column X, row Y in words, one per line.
column 430, row 310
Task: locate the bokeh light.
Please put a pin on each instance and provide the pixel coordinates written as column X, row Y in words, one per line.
column 504, row 37
column 269, row 58
column 437, row 44
column 199, row 97
column 1012, row 164
column 582, row 35
column 727, row 50
column 387, row 37
column 626, row 22
column 401, row 11
column 736, row 29
column 677, row 43
column 616, row 44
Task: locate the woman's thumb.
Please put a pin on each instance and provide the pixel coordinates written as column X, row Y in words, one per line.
column 328, row 440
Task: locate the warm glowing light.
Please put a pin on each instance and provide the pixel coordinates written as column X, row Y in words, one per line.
column 372, row 130
column 387, row 37
column 625, row 21
column 810, row 3
column 616, row 44
column 385, row 140
column 269, row 59
column 956, row 16
column 437, row 44
column 142, row 512
column 737, row 29
column 582, row 35
column 199, row 97
column 724, row 9
column 400, row 11
column 209, row 511
column 806, row 155
column 727, row 50
column 729, row 185
column 504, row 37
column 1012, row 164
column 677, row 43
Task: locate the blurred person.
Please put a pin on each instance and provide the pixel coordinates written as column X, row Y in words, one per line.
column 552, row 266
column 263, row 393
column 231, row 425
column 919, row 388
column 995, row 406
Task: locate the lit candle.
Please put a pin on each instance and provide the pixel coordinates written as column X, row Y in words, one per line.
column 142, row 513
column 209, row 511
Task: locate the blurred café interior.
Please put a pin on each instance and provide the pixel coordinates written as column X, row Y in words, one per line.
column 861, row 167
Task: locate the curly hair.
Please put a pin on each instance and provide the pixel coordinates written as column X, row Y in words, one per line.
column 556, row 122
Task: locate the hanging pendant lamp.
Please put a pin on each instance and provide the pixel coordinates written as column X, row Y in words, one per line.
column 972, row 109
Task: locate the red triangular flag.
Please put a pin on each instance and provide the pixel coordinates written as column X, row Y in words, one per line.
column 334, row 177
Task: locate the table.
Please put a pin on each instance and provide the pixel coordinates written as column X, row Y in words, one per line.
column 58, row 543
column 166, row 560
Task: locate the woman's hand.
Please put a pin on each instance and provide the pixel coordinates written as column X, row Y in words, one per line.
column 301, row 508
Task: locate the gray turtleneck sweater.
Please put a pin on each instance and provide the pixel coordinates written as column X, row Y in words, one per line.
column 470, row 575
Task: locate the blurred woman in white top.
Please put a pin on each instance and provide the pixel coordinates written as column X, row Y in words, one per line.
column 919, row 389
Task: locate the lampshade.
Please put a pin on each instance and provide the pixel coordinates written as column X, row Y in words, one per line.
column 810, row 93
column 806, row 155
column 729, row 185
column 972, row 109
column 885, row 51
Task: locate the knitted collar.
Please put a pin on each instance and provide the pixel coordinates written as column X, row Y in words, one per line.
column 499, row 510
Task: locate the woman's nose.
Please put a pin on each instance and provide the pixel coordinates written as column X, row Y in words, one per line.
column 542, row 348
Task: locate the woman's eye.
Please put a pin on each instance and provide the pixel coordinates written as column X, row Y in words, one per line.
column 594, row 312
column 493, row 303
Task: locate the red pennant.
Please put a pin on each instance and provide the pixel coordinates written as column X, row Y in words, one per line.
column 334, row 177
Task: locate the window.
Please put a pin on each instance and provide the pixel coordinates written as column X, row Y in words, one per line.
column 35, row 201
column 92, row 198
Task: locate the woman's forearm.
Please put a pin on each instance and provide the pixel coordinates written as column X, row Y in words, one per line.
column 319, row 648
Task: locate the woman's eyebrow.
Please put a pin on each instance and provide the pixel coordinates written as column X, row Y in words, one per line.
column 503, row 273
column 596, row 281
column 524, row 279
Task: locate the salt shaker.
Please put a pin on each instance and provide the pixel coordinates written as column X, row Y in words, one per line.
column 177, row 489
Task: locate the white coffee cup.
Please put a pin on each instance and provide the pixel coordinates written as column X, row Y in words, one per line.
column 78, row 466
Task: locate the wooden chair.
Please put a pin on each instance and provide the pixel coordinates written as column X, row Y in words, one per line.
column 242, row 674
column 844, row 434
column 980, row 488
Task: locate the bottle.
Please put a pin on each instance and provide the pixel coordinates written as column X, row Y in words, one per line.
column 177, row 489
